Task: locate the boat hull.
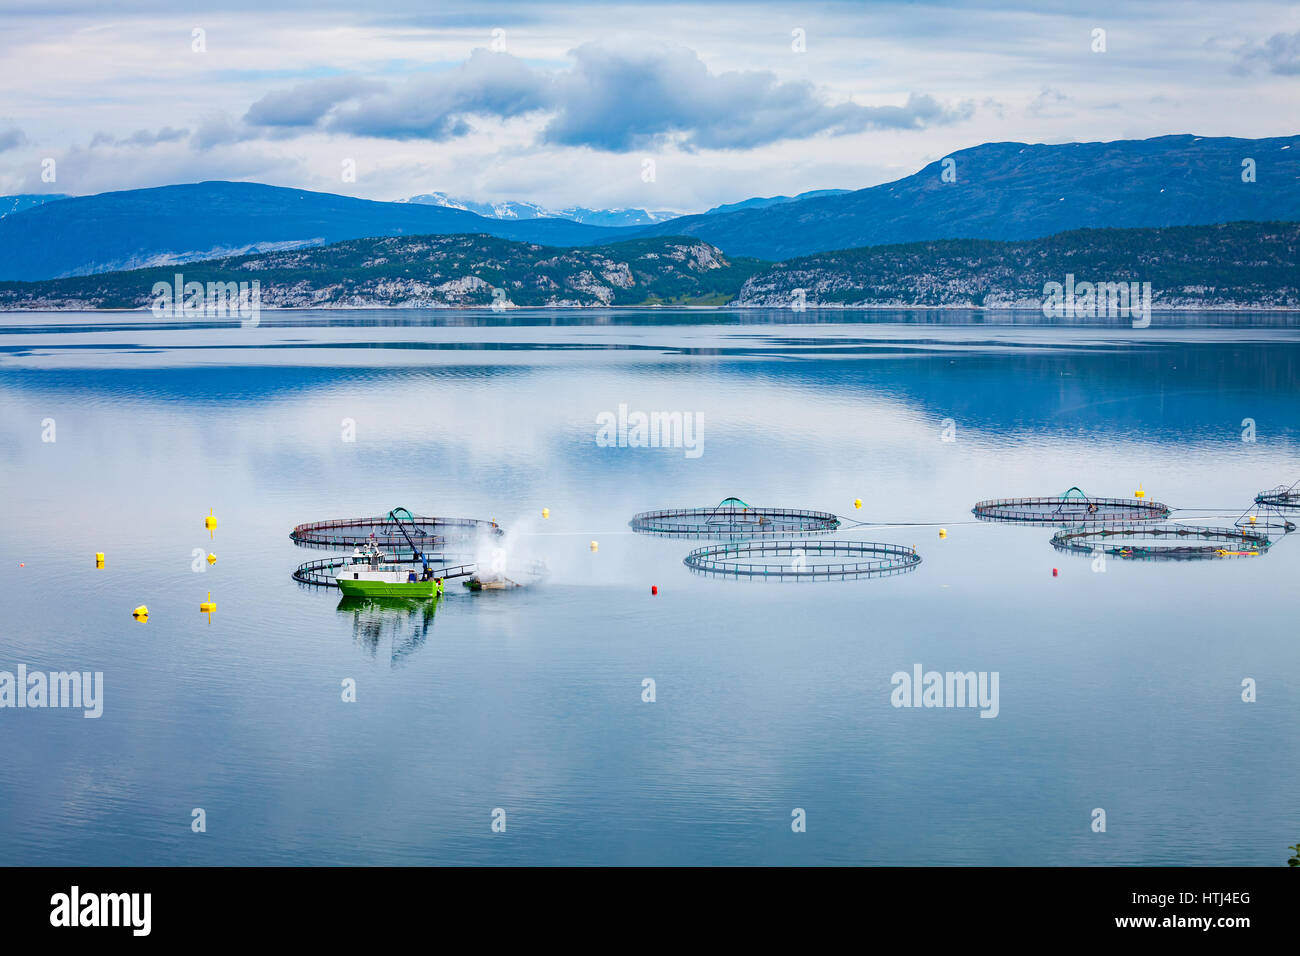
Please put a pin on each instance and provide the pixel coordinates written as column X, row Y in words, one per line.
column 419, row 590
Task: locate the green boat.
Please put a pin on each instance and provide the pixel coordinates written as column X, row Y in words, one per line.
column 370, row 574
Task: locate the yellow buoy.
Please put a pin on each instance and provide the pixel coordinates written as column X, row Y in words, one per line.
column 943, row 532
column 1252, row 519
column 210, row 522
column 1139, row 493
column 99, row 559
column 595, row 545
column 212, row 558
column 141, row 613
column 546, row 512
column 857, row 502
column 208, row 606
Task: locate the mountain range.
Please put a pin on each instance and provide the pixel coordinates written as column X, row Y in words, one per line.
column 511, row 209
column 1003, row 191
column 759, row 202
column 1234, row 265
column 1019, row 191
column 1253, row 265
column 428, row 272
column 17, row 203
column 139, row 228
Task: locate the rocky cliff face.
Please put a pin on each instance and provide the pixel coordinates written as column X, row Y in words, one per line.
column 1244, row 265
column 427, row 272
column 1235, row 265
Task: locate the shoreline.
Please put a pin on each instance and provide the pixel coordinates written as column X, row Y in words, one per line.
column 477, row 309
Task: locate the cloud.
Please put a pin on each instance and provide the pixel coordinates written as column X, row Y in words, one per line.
column 621, row 99
column 613, row 98
column 11, row 138
column 1279, row 54
column 1048, row 103
column 430, row 107
column 222, row 129
column 436, row 107
column 307, row 103
column 84, row 170
column 141, row 137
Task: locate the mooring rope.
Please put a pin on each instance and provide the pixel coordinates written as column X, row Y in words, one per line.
column 854, row 523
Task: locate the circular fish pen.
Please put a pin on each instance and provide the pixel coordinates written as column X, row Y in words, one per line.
column 816, row 560
column 1163, row 542
column 1266, row 518
column 397, row 539
column 397, row 530
column 732, row 520
column 1071, row 509
column 1283, row 496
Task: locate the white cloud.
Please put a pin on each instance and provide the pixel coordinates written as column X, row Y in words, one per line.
column 880, row 90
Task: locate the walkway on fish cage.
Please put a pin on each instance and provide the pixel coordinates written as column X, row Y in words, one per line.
column 396, row 530
column 1071, row 509
column 814, row 560
column 733, row 519
column 1163, row 542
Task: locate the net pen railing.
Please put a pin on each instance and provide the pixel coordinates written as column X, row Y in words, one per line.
column 732, row 522
column 816, row 560
column 1170, row 542
column 1070, row 511
column 427, row 531
column 1283, row 496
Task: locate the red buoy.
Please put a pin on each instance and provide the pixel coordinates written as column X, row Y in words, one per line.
column 1053, row 572
column 654, row 589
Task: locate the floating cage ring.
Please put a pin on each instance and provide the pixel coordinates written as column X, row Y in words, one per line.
column 816, row 560
column 1163, row 542
column 1266, row 518
column 324, row 572
column 1280, row 497
column 733, row 519
column 399, row 529
column 1071, row 509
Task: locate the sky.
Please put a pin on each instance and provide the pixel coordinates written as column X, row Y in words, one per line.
column 670, row 106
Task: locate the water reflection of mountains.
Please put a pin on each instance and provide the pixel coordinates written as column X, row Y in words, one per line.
column 401, row 625
column 1150, row 380
column 136, row 321
column 1169, row 393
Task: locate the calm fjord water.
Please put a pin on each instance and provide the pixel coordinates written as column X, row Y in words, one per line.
column 1119, row 690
